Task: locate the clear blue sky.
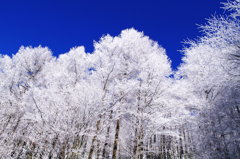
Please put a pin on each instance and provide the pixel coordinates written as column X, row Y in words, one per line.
column 63, row 24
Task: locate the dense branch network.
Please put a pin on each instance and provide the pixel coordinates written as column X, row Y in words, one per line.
column 123, row 100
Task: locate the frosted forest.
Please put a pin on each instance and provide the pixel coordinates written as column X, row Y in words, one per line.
column 123, row 100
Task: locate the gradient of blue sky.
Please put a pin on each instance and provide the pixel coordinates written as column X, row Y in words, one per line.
column 63, row 24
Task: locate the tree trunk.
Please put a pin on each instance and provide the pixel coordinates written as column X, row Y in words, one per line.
column 140, row 143
column 115, row 145
column 135, row 143
column 105, row 153
column 94, row 139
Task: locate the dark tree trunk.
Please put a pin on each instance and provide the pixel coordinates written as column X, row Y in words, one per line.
column 115, row 145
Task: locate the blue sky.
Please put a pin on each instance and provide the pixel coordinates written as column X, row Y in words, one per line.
column 63, row 24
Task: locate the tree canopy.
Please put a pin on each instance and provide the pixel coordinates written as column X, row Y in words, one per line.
column 123, row 100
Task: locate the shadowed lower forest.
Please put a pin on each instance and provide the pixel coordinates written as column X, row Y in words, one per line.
column 123, row 100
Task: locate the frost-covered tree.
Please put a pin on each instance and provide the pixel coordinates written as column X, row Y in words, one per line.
column 133, row 72
column 123, row 100
column 21, row 117
column 211, row 65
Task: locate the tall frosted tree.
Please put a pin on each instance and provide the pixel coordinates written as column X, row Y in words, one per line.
column 133, row 72
column 211, row 65
column 20, row 118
